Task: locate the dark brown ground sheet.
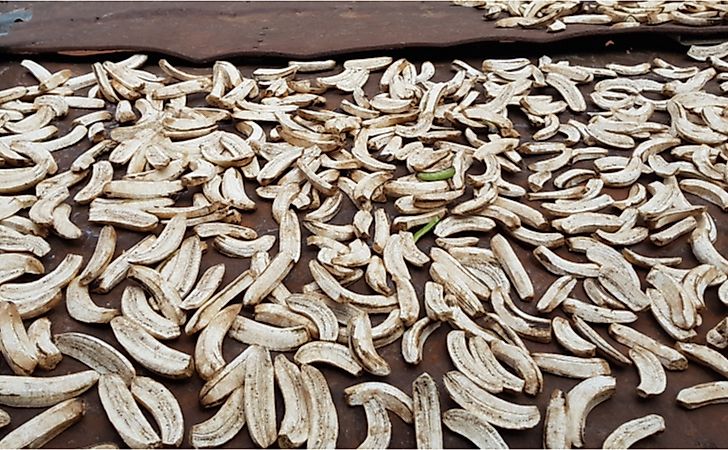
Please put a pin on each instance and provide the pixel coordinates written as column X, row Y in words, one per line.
column 705, row 427
column 203, row 31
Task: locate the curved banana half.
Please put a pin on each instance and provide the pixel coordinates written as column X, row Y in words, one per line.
column 704, row 394
column 36, row 432
column 295, row 425
column 330, row 353
column 39, row 392
column 498, row 412
column 260, row 406
column 581, row 399
column 426, row 412
column 223, row 426
column 96, row 354
column 379, row 427
column 15, row 345
column 627, row 434
column 163, row 406
column 149, row 352
column 474, row 427
column 324, row 421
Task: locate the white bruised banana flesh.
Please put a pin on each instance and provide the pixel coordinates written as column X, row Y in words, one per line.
column 556, row 424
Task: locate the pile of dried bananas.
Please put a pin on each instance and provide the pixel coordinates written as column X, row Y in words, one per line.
column 555, row 15
column 415, row 157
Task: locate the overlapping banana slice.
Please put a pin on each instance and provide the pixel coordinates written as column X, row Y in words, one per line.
column 150, row 352
column 36, row 297
column 96, row 354
column 47, row 353
column 379, row 427
column 208, row 348
column 567, row 337
column 103, row 252
column 124, row 414
column 392, row 398
column 471, row 365
column 221, row 427
column 163, row 406
column 498, row 412
column 225, row 380
column 166, row 298
column 295, row 425
column 669, row 357
column 81, row 306
column 652, row 375
column 15, row 344
column 136, row 307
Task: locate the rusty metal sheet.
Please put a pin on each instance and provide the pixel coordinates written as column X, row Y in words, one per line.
column 203, row 31
column 704, row 427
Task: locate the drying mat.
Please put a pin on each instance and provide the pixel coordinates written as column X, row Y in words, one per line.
column 205, row 31
column 704, row 427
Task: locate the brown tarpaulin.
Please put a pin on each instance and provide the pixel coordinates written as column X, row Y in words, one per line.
column 704, row 427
